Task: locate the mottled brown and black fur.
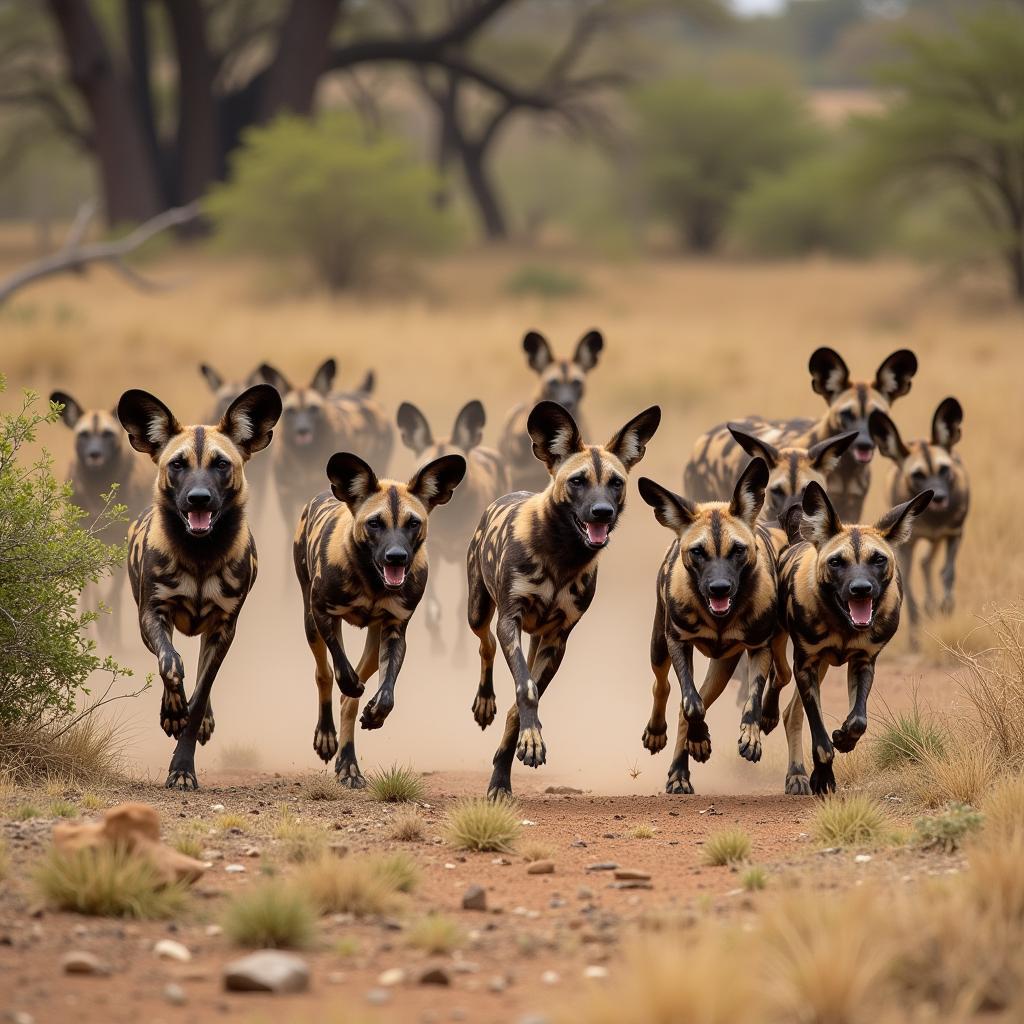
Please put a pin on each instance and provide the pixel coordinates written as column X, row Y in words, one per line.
column 840, row 594
column 192, row 558
column 562, row 381
column 486, row 479
column 718, row 458
column 931, row 464
column 717, row 592
column 533, row 562
column 361, row 558
column 318, row 421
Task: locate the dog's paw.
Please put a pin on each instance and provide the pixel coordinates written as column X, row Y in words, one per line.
column 845, row 738
column 174, row 710
column 376, row 712
column 655, row 736
column 206, row 727
column 530, row 749
column 485, row 707
column 823, row 780
column 678, row 783
column 797, row 784
column 325, row 743
column 749, row 743
column 698, row 740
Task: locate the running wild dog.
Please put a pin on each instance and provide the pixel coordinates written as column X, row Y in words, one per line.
column 718, row 593
column 840, row 594
column 361, row 558
column 562, row 381
column 932, row 464
column 192, row 557
column 718, row 457
column 533, row 560
column 102, row 459
column 317, row 421
column 486, row 479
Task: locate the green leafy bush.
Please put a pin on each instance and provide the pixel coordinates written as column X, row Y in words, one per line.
column 544, row 281
column 320, row 190
column 948, row 829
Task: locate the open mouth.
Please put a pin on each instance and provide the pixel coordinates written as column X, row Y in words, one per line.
column 94, row 460
column 394, row 575
column 860, row 610
column 863, row 454
column 200, row 522
column 304, row 438
column 720, row 605
column 596, row 534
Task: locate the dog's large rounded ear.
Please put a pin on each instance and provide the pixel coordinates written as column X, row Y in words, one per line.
column 897, row 524
column 274, row 377
column 830, row 376
column 894, row 375
column 250, row 418
column 414, row 428
column 588, row 349
column 886, row 435
column 820, row 521
column 352, row 480
column 671, row 510
column 323, row 379
column 435, row 483
column 368, row 384
column 629, row 445
column 946, row 423
column 72, row 411
column 825, row 455
column 147, row 421
column 754, row 445
column 214, row 380
column 748, row 494
column 538, row 351
column 554, row 433
column 468, row 431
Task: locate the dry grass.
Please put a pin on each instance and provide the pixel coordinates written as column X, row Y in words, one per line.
column 93, row 801
column 321, row 787
column 534, row 849
column 189, row 845
column 398, row 871
column 89, row 752
column 63, row 809
column 241, row 757
column 272, row 914
column 358, row 885
column 5, row 860
column 754, row 879
column 728, row 847
column 642, row 832
column 436, row 934
column 1003, row 808
column 107, row 882
column 479, row 824
column 226, row 822
column 23, row 812
column 964, row 771
column 855, row 819
column 396, row 785
column 904, row 737
column 408, row 825
column 299, row 842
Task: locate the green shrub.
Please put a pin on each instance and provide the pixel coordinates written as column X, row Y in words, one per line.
column 948, row 829
column 905, row 738
column 850, row 820
column 544, row 281
column 272, row 914
column 729, row 847
column 476, row 823
column 396, row 785
column 320, row 190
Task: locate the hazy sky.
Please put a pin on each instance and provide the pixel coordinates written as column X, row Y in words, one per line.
column 757, row 6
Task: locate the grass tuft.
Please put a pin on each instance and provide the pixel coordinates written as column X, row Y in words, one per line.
column 854, row 819
column 320, row 787
column 63, row 809
column 754, row 879
column 23, row 812
column 398, row 871
column 396, row 785
column 1003, row 808
column 300, row 843
column 88, row 752
column 93, row 801
column 947, row 831
column 189, row 845
column 729, row 847
column 962, row 773
column 356, row 885
column 107, row 882
column 643, row 832
column 407, row 825
column 240, row 757
column 904, row 738
column 226, row 822
column 534, row 849
column 436, row 934
column 272, row 914
column 480, row 824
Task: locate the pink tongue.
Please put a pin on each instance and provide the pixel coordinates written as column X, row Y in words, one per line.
column 199, row 521
column 394, row 575
column 860, row 610
column 863, row 456
column 719, row 604
column 597, row 533
column 303, row 438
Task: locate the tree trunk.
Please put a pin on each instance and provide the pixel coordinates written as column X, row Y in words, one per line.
column 128, row 176
column 1015, row 261
column 483, row 193
column 701, row 231
column 137, row 36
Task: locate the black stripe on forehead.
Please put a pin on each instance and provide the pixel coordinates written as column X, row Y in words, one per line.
column 95, row 422
column 926, row 454
column 393, row 503
column 855, row 541
column 862, row 398
column 794, row 465
column 200, row 442
column 595, row 454
column 716, row 531
column 564, row 366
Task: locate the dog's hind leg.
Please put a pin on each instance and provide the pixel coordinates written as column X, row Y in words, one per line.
column 797, row 783
column 480, row 612
column 656, row 734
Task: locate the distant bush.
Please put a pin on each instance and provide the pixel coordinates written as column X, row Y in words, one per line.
column 320, row 190
column 546, row 282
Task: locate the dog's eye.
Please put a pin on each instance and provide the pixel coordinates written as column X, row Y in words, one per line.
column 221, row 463
column 836, row 561
column 738, row 551
column 578, row 480
column 616, row 483
column 878, row 558
column 176, row 463
column 846, row 417
column 413, row 523
column 778, row 490
column 697, row 554
column 943, row 471
column 918, row 474
column 375, row 523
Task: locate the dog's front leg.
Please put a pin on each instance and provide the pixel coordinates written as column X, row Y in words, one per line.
column 698, row 738
column 530, row 745
column 157, row 632
column 808, row 675
column 212, row 649
column 392, row 654
column 329, row 629
column 949, row 575
column 783, row 674
column 859, row 677
column 759, row 661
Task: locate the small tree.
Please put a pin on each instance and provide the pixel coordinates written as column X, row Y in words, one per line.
column 702, row 145
column 321, row 191
column 47, row 556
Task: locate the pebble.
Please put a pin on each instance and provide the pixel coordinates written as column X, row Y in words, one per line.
column 465, row 967
column 474, row 898
column 378, row 996
column 541, row 867
column 632, row 875
column 213, row 930
column 20, row 1017
column 502, row 862
column 556, row 903
column 211, row 855
column 175, row 994
column 450, row 866
column 863, row 858
column 435, row 976
column 635, row 883
column 550, row 978
column 216, row 808
column 269, row 970
column 595, row 972
column 583, row 893
column 78, row 961
column 391, row 977
column 497, row 984
column 168, row 949
column 234, row 869
column 251, row 851
column 604, row 865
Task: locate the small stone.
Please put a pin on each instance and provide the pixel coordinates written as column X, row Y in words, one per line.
column 556, row 903
column 267, row 971
column 175, row 994
column 583, row 893
column 378, row 996
column 497, row 984
column 550, row 978
column 863, row 858
column 563, row 791
column 211, row 855
column 234, row 869
column 474, row 898
column 391, row 977
column 527, row 822
column 632, row 875
column 213, row 930
column 20, row 1017
column 435, row 976
column 604, row 865
column 251, row 851
column 541, row 867
column 502, row 862
column 465, row 967
column 216, row 808
column 79, row 961
column 634, row 883
column 450, row 866
column 168, row 949
column 595, row 972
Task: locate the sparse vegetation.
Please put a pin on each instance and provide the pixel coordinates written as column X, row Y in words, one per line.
column 754, row 879
column 1003, row 808
column 642, row 832
column 479, row 824
column 93, row 801
column 436, row 934
column 356, row 884
column 948, row 829
column 189, row 845
column 728, row 847
column 904, row 738
column 107, row 882
column 396, row 785
column 241, row 757
column 273, row 913
column 962, row 773
column 544, row 281
column 407, row 825
column 63, row 809
column 23, row 812
column 533, row 850
column 321, row 787
column 855, row 819
column 299, row 842
column 398, row 871
column 226, row 822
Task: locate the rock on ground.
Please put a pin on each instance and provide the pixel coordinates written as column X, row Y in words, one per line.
column 267, row 971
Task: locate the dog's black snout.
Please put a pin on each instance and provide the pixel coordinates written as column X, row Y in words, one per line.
column 861, row 588
column 719, row 588
column 939, row 499
column 396, row 556
column 602, row 512
column 864, row 446
column 199, row 497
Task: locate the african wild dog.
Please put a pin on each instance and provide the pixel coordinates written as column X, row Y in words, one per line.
column 102, row 459
column 561, row 381
column 932, row 464
column 317, row 421
column 192, row 557
column 840, row 594
column 486, row 479
column 361, row 558
column 226, row 391
column 533, row 560
column 717, row 457
column 718, row 592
